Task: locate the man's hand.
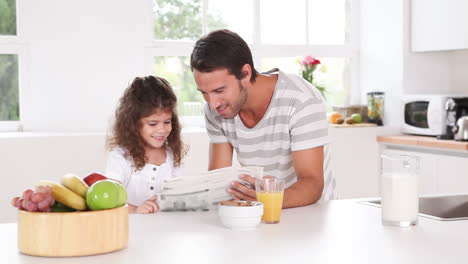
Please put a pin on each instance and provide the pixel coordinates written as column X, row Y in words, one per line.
column 240, row 190
column 148, row 207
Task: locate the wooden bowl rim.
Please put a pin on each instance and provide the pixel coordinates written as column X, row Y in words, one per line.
column 75, row 212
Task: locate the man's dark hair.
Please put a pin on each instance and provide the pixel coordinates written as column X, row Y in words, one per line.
column 222, row 49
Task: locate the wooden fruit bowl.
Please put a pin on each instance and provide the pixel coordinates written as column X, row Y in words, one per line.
column 74, row 233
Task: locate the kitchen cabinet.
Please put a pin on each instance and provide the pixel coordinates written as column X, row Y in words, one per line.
column 441, row 171
column 439, row 25
column 453, row 174
column 355, row 159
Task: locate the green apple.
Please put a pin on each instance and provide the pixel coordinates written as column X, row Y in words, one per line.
column 357, row 118
column 122, row 194
column 103, row 194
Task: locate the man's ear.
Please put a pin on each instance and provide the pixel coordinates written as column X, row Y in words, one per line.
column 246, row 71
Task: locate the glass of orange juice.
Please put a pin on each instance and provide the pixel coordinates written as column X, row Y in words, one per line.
column 270, row 191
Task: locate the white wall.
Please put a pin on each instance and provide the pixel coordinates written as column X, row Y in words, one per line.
column 437, row 72
column 424, row 72
column 388, row 64
column 382, row 53
column 81, row 55
column 459, row 66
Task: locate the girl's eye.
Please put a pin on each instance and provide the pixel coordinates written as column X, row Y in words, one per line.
column 151, row 124
column 168, row 122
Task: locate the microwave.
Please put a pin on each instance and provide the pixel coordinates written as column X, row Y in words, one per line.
column 426, row 114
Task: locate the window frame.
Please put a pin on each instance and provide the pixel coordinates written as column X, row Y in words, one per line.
column 15, row 45
column 350, row 49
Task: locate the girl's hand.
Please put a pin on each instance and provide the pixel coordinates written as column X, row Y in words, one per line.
column 148, row 207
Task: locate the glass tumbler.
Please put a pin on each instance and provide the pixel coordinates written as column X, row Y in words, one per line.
column 270, row 192
column 399, row 190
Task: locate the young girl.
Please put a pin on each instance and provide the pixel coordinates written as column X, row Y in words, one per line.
column 146, row 146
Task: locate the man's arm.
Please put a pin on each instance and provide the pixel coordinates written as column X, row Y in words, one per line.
column 308, row 165
column 220, row 156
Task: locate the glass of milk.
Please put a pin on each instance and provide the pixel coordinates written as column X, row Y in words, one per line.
column 399, row 190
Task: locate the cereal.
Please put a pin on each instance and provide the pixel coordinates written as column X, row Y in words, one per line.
column 237, row 203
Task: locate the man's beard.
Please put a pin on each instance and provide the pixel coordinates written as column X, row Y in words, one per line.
column 242, row 99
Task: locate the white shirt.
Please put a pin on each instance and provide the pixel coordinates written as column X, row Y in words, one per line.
column 140, row 184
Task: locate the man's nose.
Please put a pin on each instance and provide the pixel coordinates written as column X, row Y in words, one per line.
column 214, row 102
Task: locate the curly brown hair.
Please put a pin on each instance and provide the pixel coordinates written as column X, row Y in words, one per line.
column 142, row 98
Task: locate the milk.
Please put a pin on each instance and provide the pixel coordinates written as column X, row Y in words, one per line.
column 399, row 198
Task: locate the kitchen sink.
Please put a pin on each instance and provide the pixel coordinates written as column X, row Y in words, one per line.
column 443, row 208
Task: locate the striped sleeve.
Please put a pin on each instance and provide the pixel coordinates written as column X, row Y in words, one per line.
column 214, row 127
column 308, row 125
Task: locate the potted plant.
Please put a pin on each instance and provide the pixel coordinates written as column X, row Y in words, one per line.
column 309, row 66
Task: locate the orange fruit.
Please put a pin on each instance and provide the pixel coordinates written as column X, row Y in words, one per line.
column 333, row 117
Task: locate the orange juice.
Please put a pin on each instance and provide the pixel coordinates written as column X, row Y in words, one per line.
column 272, row 204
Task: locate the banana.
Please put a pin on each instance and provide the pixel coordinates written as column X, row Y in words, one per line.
column 65, row 196
column 75, row 183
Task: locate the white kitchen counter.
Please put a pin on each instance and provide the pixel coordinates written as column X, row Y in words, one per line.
column 338, row 232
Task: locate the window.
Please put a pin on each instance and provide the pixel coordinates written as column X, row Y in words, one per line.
column 279, row 32
column 8, row 18
column 334, row 75
column 9, row 101
column 9, row 67
column 176, row 70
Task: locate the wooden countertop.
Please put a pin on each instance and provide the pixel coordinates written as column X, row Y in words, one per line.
column 423, row 141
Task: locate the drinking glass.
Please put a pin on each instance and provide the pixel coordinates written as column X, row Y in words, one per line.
column 270, row 192
column 399, row 190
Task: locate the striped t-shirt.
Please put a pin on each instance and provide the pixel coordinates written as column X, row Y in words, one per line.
column 295, row 120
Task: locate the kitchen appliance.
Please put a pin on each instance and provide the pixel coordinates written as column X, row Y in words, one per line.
column 455, row 109
column 460, row 130
column 433, row 115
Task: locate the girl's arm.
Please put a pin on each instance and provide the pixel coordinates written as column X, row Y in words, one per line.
column 147, row 207
column 132, row 209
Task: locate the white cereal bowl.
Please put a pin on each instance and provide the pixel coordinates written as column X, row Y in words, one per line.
column 241, row 217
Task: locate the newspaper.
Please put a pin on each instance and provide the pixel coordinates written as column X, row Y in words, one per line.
column 203, row 191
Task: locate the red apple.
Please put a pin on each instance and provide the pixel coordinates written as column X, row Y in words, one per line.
column 94, row 177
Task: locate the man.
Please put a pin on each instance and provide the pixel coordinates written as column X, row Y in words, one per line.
column 273, row 120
